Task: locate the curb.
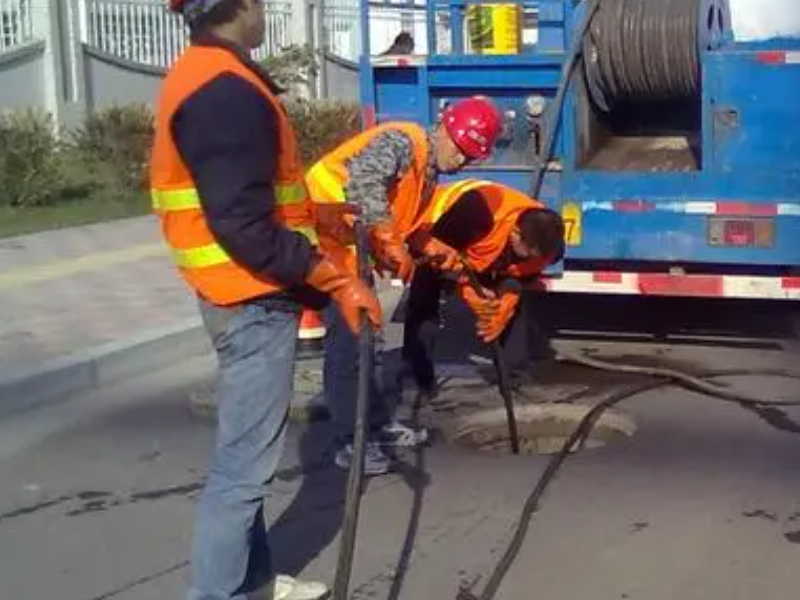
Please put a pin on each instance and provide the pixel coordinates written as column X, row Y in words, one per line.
column 54, row 381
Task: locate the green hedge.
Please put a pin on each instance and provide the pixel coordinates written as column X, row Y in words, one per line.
column 106, row 157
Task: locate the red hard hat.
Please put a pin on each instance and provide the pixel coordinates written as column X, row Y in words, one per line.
column 176, row 5
column 473, row 124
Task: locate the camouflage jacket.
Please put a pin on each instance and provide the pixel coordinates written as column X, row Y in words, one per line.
column 373, row 171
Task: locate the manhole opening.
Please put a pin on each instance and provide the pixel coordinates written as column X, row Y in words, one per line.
column 542, row 429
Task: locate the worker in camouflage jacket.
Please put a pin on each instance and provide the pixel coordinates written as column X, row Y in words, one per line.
column 386, row 176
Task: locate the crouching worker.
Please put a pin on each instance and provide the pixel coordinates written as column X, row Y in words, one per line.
column 504, row 237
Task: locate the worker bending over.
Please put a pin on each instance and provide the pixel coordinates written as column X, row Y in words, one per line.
column 386, row 174
column 227, row 184
column 505, row 237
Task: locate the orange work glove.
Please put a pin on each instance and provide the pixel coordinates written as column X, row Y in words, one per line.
column 481, row 307
column 491, row 325
column 350, row 293
column 335, row 221
column 438, row 254
column 390, row 251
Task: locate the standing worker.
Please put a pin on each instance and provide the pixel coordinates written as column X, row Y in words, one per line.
column 227, row 184
column 504, row 236
column 387, row 174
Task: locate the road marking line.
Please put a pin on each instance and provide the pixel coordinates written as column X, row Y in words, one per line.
column 29, row 275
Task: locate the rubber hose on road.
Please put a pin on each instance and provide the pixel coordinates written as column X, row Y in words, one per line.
column 584, row 428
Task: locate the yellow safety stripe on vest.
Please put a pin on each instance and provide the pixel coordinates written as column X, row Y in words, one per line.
column 173, row 200
column 291, row 193
column 213, row 254
column 188, row 198
column 457, row 189
column 327, row 181
column 202, row 256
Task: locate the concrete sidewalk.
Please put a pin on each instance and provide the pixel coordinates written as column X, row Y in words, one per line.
column 86, row 306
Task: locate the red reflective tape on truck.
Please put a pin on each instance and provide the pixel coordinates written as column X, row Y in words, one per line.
column 607, row 277
column 680, row 285
column 633, row 206
column 779, row 57
column 745, row 209
column 772, row 57
column 790, row 283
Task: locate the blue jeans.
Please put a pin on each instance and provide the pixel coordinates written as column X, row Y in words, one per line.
column 340, row 377
column 255, row 345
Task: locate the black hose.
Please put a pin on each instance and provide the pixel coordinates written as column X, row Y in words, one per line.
column 355, row 475
column 500, row 367
column 583, row 430
column 532, row 503
column 646, row 50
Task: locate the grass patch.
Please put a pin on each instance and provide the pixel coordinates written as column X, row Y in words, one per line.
column 83, row 211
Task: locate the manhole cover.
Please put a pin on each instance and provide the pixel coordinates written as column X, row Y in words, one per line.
column 542, row 429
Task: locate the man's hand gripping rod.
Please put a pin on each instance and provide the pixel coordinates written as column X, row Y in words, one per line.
column 499, row 365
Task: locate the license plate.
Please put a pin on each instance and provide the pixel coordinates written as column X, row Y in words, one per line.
column 572, row 215
column 741, row 233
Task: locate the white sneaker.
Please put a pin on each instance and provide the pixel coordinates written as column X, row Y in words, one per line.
column 400, row 435
column 375, row 460
column 284, row 587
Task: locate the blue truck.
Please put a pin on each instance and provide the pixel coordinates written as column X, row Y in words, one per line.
column 674, row 152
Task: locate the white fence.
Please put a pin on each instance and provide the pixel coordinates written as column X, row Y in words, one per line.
column 145, row 32
column 16, row 24
column 341, row 30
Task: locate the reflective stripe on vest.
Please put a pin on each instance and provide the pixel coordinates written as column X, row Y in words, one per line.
column 326, row 182
column 188, row 198
column 213, row 254
column 287, row 196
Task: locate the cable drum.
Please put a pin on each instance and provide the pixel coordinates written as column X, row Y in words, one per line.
column 648, row 50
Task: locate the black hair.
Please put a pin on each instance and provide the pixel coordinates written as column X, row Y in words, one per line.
column 221, row 14
column 542, row 228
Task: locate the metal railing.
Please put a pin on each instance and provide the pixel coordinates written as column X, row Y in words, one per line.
column 16, row 24
column 145, row 32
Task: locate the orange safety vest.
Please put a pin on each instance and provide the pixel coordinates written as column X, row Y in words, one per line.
column 327, row 178
column 202, row 262
column 505, row 203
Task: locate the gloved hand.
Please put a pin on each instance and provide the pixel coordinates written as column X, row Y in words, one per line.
column 492, row 323
column 438, row 254
column 481, row 307
column 390, row 251
column 350, row 293
column 335, row 221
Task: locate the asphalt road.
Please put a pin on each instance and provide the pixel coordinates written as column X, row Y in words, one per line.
column 703, row 501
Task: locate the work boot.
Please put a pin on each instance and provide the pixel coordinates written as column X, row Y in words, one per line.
column 375, row 460
column 284, row 587
column 399, row 435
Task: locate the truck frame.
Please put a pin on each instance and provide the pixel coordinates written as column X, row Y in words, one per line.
column 700, row 200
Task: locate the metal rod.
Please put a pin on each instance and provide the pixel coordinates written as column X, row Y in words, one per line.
column 355, row 476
